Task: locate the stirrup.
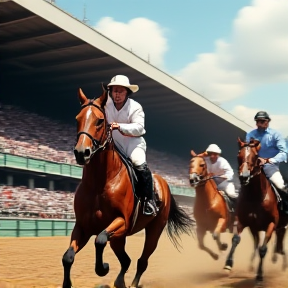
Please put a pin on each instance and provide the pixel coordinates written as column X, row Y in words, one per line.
column 150, row 208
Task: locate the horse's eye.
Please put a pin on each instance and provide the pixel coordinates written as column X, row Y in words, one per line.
column 202, row 165
column 99, row 122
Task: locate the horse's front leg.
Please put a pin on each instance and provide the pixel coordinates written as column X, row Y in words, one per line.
column 200, row 236
column 117, row 228
column 118, row 246
column 235, row 241
column 264, row 239
column 216, row 234
column 279, row 245
column 78, row 241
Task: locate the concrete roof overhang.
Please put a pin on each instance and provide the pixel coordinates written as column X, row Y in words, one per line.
column 47, row 54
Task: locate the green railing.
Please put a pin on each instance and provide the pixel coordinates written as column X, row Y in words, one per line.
column 73, row 171
column 43, row 166
column 19, row 227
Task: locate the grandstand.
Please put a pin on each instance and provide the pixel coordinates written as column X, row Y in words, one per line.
column 46, row 55
column 52, row 141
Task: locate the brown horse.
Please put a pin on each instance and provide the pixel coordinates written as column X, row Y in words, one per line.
column 257, row 205
column 105, row 204
column 210, row 209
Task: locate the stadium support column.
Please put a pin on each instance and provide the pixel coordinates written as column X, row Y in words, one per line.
column 10, row 180
column 51, row 185
column 31, row 183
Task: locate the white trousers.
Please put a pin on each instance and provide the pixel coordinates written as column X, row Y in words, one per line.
column 228, row 188
column 277, row 180
column 138, row 156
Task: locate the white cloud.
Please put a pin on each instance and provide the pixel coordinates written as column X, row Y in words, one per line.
column 256, row 54
column 144, row 37
column 278, row 122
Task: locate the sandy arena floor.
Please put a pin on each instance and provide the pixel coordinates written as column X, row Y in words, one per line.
column 36, row 262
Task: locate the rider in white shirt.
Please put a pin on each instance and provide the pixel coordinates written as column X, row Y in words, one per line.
column 126, row 117
column 221, row 171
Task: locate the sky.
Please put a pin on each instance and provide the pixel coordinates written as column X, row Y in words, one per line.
column 234, row 53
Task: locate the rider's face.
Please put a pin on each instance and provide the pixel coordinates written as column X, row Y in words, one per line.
column 119, row 94
column 262, row 124
column 213, row 156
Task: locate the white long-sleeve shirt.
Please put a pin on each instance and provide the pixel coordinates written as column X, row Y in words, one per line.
column 131, row 119
column 220, row 167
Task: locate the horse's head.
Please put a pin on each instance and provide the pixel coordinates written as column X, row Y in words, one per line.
column 248, row 160
column 197, row 168
column 92, row 130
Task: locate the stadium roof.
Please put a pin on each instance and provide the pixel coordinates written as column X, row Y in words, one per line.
column 46, row 54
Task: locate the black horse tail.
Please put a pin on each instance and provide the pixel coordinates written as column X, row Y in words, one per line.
column 179, row 223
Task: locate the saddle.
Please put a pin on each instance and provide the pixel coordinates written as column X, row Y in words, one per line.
column 231, row 211
column 128, row 163
column 133, row 177
column 282, row 199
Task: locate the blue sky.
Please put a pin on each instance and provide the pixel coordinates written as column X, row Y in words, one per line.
column 235, row 53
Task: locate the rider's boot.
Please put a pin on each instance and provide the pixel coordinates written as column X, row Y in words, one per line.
column 284, row 199
column 145, row 184
column 232, row 202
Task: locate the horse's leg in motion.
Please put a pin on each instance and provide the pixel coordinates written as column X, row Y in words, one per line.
column 116, row 229
column 235, row 241
column 256, row 246
column 118, row 246
column 279, row 247
column 216, row 234
column 78, row 241
column 152, row 234
column 263, row 249
column 200, row 235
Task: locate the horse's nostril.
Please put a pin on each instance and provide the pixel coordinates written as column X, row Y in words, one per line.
column 87, row 152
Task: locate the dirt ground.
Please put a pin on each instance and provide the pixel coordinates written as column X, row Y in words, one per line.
column 36, row 262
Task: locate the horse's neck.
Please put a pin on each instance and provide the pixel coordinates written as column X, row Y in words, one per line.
column 258, row 187
column 207, row 190
column 103, row 167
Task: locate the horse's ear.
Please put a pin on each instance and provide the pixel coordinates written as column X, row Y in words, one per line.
column 81, row 96
column 240, row 142
column 193, row 154
column 203, row 154
column 103, row 98
column 257, row 144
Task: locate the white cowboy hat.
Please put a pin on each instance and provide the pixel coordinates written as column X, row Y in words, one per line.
column 122, row 80
column 214, row 148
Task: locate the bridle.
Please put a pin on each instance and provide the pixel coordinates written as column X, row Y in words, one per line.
column 199, row 179
column 97, row 142
column 256, row 172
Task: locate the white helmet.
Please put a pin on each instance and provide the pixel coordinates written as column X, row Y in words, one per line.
column 214, row 148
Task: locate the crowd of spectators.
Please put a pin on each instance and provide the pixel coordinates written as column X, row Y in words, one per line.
column 53, row 140
column 39, row 203
column 23, row 202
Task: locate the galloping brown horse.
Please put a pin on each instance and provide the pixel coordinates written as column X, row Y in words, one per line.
column 257, row 204
column 105, row 202
column 210, row 209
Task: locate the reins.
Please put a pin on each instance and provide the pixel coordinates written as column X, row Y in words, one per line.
column 97, row 143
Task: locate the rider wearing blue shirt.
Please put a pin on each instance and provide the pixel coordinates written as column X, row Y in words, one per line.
column 273, row 149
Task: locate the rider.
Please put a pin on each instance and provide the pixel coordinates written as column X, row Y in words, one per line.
column 273, row 149
column 222, row 172
column 127, row 121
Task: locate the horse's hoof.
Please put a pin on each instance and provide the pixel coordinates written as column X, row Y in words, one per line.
column 103, row 270
column 227, row 268
column 214, row 236
column 224, row 247
column 259, row 279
